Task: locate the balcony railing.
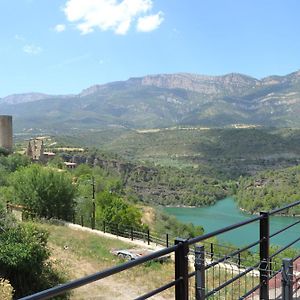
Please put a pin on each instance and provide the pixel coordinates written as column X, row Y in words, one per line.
column 251, row 272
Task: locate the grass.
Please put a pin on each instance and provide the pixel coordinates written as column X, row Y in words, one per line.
column 84, row 253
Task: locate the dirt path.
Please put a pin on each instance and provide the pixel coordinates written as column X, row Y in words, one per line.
column 114, row 287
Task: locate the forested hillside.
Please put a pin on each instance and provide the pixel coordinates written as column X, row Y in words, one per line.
column 163, row 100
column 216, row 153
column 270, row 190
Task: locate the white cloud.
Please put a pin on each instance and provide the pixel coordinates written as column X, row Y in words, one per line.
column 106, row 15
column 19, row 38
column 149, row 23
column 60, row 27
column 32, row 49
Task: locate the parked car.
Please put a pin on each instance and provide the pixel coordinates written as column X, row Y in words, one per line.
column 132, row 254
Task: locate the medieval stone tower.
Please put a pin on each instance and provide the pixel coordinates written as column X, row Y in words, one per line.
column 6, row 133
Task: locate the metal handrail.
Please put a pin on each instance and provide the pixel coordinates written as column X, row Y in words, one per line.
column 223, row 230
column 284, row 229
column 221, row 286
column 277, row 210
column 183, row 244
column 159, row 290
column 55, row 291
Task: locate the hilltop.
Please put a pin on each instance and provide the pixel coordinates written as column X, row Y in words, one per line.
column 163, row 100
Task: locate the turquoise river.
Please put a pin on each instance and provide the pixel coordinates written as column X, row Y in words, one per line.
column 225, row 213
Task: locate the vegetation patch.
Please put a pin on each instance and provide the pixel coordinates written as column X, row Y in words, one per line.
column 86, row 253
column 270, row 190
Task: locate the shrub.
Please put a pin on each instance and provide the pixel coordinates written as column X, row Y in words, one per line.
column 47, row 192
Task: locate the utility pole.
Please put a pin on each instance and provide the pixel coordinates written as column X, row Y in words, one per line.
column 94, row 204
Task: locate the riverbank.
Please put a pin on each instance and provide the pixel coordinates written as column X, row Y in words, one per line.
column 225, row 213
column 277, row 215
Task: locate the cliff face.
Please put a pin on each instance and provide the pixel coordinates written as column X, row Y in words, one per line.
column 208, row 85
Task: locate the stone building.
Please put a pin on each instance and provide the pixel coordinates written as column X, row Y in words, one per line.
column 6, row 133
column 35, row 150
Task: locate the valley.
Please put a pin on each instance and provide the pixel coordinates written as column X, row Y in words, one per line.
column 132, row 123
column 158, row 165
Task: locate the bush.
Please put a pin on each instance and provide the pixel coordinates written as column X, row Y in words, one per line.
column 24, row 258
column 22, row 255
column 48, row 193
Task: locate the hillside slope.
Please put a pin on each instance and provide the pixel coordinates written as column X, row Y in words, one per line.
column 164, row 100
column 80, row 253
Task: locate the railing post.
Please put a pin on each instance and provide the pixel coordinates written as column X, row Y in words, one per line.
column 211, row 251
column 181, row 269
column 287, row 279
column 131, row 233
column 167, row 240
column 200, row 272
column 264, row 256
column 148, row 236
column 81, row 219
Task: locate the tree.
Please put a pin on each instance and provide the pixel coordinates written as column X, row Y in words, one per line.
column 113, row 209
column 47, row 192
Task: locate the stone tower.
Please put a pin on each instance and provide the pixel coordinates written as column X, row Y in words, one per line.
column 6, row 133
column 35, row 150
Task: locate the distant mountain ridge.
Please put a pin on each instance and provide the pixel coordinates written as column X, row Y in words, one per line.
column 165, row 100
column 29, row 97
column 209, row 85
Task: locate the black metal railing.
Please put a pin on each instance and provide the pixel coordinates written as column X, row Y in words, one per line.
column 146, row 235
column 230, row 276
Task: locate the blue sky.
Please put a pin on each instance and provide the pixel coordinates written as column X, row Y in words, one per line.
column 64, row 46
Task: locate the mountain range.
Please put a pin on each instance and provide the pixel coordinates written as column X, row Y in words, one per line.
column 164, row 100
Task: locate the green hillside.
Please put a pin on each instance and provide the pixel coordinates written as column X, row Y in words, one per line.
column 270, row 190
column 220, row 153
column 161, row 101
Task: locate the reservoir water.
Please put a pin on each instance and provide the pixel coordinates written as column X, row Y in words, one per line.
column 225, row 213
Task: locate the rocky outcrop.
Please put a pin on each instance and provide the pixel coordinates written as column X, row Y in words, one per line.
column 118, row 166
column 162, row 101
column 208, row 85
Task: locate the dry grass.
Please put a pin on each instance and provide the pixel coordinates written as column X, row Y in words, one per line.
column 6, row 290
column 82, row 253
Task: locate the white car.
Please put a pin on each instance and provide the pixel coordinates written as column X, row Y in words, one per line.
column 132, row 254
